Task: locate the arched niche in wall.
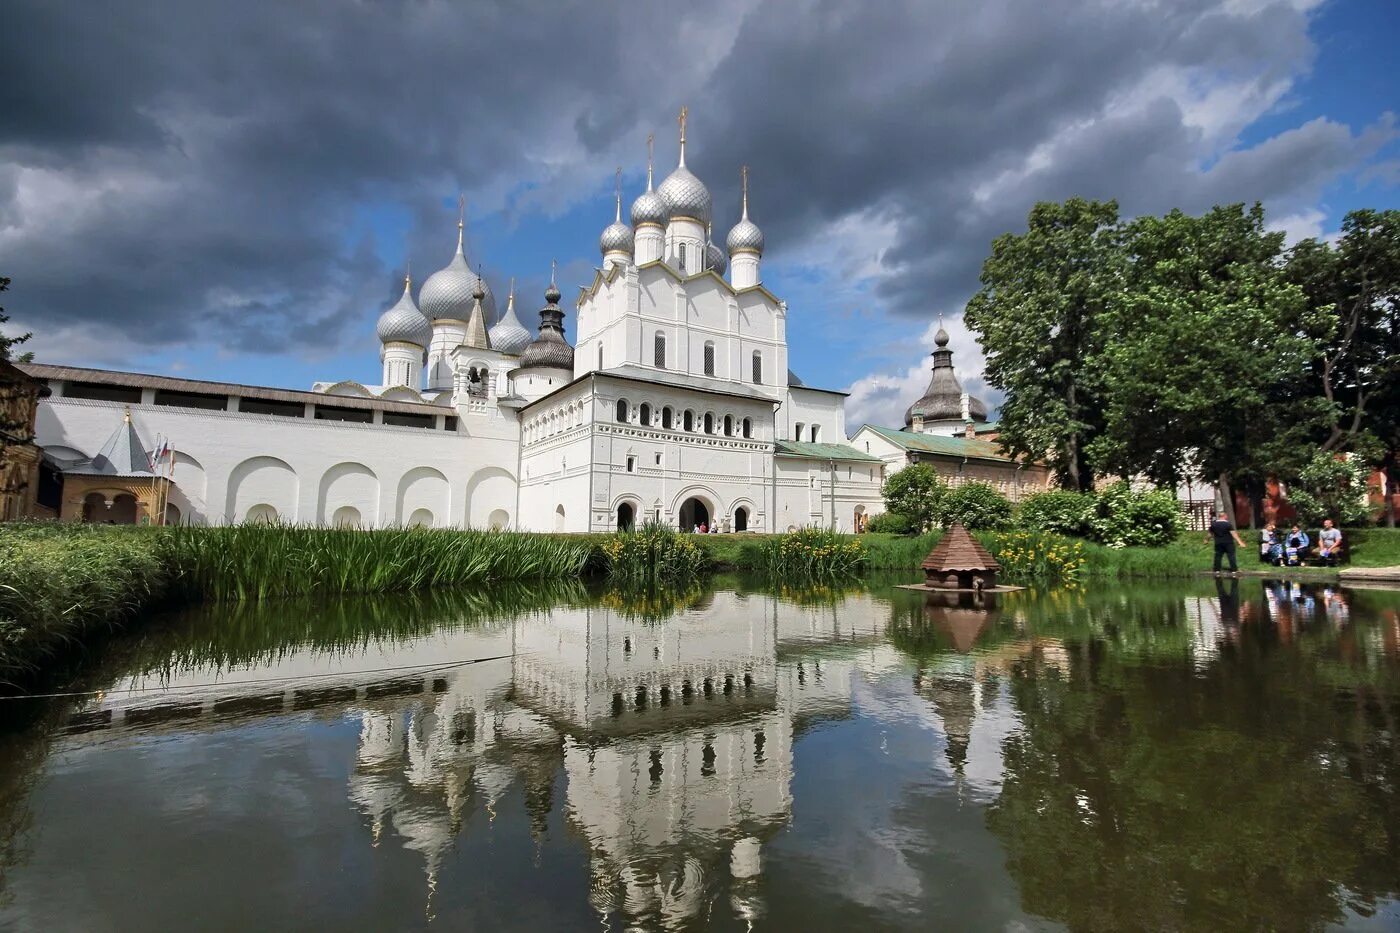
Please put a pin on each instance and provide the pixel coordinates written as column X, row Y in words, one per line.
column 424, row 488
column 348, row 484
column 262, row 481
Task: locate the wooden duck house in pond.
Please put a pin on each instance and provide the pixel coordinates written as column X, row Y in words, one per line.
column 959, row 562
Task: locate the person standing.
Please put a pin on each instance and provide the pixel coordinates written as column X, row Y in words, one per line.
column 1225, row 540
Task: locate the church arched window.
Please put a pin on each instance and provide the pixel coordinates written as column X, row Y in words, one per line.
column 709, row 423
column 709, row 357
column 644, row 415
column 659, row 351
column 816, row 433
column 748, row 427
column 600, row 356
column 688, row 421
column 728, row 425
column 622, row 411
column 757, row 367
column 682, row 258
column 797, row 435
column 667, row 417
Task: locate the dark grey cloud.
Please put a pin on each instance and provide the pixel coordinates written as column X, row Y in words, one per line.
column 200, row 169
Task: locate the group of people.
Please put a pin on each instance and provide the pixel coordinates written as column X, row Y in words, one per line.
column 1291, row 549
column 1294, row 548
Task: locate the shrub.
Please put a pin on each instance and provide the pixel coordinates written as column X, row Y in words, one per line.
column 1062, row 511
column 890, row 523
column 915, row 492
column 977, row 505
column 810, row 554
column 1126, row 518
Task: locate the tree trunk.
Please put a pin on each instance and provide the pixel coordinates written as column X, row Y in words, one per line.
column 1388, row 488
column 1227, row 497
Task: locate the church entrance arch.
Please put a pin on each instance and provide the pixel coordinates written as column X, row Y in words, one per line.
column 626, row 517
column 694, row 513
column 741, row 519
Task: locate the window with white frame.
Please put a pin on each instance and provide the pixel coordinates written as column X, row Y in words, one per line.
column 659, row 351
column 757, row 367
column 709, row 357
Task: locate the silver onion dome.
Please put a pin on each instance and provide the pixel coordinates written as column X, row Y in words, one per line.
column 649, row 209
column 448, row 292
column 745, row 235
column 715, row 259
column 683, row 194
column 616, row 238
column 404, row 323
column 509, row 335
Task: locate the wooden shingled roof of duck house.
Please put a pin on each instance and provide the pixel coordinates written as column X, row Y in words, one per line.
column 959, row 550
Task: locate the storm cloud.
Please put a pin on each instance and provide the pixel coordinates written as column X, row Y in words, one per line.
column 203, row 171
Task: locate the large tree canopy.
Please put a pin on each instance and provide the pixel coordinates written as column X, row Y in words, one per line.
column 1037, row 316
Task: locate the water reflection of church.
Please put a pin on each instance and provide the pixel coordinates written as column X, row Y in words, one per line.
column 675, row 741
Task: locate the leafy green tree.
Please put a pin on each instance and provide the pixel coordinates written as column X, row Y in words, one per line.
column 914, row 492
column 1205, row 348
column 7, row 344
column 1357, row 285
column 979, row 506
column 1332, row 486
column 1125, row 517
column 1037, row 318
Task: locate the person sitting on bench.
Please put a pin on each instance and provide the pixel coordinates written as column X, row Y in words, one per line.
column 1270, row 548
column 1295, row 547
column 1329, row 543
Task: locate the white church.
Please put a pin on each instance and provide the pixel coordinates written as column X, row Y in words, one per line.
column 675, row 404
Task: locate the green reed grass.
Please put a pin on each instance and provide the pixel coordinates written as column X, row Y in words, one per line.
column 260, row 561
column 59, row 583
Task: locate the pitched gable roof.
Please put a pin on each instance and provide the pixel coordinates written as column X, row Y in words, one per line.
column 942, row 444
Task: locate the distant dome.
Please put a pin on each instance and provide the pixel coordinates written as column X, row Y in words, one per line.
column 509, row 335
column 943, row 400
column 549, row 349
column 404, row 323
column 448, row 292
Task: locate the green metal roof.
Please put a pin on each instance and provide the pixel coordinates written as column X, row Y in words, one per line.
column 941, row 444
column 822, row 451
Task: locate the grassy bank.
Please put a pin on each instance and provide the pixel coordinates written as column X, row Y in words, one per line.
column 59, row 585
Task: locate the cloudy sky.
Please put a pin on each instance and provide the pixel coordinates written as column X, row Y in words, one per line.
column 233, row 191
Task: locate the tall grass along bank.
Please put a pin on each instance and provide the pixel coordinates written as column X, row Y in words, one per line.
column 653, row 555
column 261, row 561
column 60, row 583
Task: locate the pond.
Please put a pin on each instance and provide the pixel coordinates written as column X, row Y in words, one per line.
column 1199, row 756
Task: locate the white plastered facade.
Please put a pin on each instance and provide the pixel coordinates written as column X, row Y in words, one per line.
column 677, row 408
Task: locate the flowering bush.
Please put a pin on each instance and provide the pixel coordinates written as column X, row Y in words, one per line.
column 653, row 554
column 810, row 554
column 1037, row 556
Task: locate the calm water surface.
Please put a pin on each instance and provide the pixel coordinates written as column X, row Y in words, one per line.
column 1199, row 757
